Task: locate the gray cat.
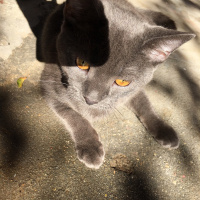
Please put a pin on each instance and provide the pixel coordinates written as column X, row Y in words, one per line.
column 100, row 54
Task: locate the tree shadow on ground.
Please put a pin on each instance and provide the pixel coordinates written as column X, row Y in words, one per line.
column 184, row 19
column 187, row 2
column 192, row 87
column 36, row 12
column 190, row 109
column 192, row 4
column 14, row 139
column 138, row 187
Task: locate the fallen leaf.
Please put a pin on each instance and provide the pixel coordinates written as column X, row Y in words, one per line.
column 121, row 162
column 20, row 81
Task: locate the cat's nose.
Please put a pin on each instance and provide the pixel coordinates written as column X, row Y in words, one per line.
column 89, row 101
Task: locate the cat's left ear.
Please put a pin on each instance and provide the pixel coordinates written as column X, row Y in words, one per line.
column 83, row 10
column 158, row 49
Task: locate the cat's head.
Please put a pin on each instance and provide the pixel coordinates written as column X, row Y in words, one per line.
column 109, row 49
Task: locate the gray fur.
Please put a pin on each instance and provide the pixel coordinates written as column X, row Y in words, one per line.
column 137, row 45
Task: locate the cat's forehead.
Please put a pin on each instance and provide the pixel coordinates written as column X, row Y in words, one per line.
column 127, row 30
column 123, row 18
column 119, row 66
column 110, row 31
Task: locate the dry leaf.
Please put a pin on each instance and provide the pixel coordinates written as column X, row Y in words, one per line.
column 121, row 162
column 20, row 81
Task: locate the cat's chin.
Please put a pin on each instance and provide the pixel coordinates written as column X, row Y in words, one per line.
column 96, row 112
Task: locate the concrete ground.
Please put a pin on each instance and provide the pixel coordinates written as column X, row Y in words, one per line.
column 37, row 156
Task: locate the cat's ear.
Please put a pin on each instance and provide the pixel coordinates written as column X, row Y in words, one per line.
column 160, row 19
column 82, row 10
column 86, row 27
column 158, row 49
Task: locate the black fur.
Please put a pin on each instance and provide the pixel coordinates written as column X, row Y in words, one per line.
column 83, row 33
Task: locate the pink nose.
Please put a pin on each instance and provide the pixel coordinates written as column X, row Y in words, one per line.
column 89, row 101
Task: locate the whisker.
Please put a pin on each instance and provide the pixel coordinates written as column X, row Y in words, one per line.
column 48, row 81
column 114, row 112
column 118, row 111
column 52, row 82
column 107, row 142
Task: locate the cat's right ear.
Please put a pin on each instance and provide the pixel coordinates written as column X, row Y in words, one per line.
column 158, row 49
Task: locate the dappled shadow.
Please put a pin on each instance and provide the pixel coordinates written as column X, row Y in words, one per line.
column 189, row 107
column 36, row 12
column 193, row 89
column 165, row 88
column 187, row 159
column 138, row 187
column 187, row 2
column 188, row 79
column 182, row 14
column 188, row 83
column 192, row 4
column 14, row 138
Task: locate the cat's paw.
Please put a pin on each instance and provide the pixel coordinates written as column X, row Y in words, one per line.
column 166, row 136
column 91, row 154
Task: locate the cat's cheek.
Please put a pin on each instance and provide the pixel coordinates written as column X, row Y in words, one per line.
column 85, row 72
column 77, row 74
column 81, row 73
column 117, row 90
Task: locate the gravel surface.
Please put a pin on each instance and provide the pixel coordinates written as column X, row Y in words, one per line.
column 37, row 156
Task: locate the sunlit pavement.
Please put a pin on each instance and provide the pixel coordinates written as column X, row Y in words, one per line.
column 37, row 156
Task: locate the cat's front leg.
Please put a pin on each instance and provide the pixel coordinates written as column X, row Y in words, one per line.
column 88, row 146
column 162, row 132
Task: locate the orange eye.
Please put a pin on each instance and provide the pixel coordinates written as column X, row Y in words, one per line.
column 122, row 83
column 82, row 64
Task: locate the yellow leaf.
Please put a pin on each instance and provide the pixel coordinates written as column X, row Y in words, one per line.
column 20, row 81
